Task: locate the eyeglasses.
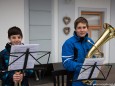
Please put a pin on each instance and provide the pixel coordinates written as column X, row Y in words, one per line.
column 82, row 27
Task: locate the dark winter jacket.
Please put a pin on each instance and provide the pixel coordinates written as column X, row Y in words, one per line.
column 7, row 77
column 74, row 51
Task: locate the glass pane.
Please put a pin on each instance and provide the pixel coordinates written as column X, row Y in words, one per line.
column 92, row 19
column 95, row 35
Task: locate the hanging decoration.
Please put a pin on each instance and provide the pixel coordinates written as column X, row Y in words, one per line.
column 66, row 30
column 66, row 20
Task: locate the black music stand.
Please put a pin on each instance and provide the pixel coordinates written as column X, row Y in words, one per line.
column 25, row 52
column 41, row 68
column 91, row 74
column 25, row 61
column 46, row 53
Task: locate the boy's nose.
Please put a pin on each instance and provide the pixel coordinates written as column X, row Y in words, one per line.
column 81, row 29
column 16, row 40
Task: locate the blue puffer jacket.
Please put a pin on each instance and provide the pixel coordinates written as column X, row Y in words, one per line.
column 7, row 77
column 72, row 61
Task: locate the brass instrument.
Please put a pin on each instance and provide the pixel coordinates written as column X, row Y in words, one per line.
column 108, row 34
column 18, row 84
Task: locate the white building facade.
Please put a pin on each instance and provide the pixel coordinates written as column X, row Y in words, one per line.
column 41, row 22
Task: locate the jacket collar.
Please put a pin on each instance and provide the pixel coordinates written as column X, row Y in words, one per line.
column 8, row 47
column 81, row 39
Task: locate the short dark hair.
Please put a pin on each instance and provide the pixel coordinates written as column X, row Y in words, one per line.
column 80, row 20
column 14, row 31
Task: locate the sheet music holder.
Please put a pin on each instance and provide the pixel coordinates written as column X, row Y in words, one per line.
column 23, row 57
column 25, row 53
column 41, row 55
column 91, row 69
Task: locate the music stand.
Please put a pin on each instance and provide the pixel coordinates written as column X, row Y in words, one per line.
column 46, row 53
column 91, row 69
column 41, row 67
column 27, row 50
column 27, row 53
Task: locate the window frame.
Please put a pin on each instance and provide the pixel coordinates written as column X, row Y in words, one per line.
column 94, row 27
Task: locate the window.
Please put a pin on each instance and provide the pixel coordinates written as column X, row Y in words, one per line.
column 95, row 23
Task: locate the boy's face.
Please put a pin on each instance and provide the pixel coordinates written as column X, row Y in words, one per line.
column 15, row 39
column 81, row 29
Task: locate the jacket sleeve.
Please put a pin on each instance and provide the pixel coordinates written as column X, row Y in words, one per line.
column 68, row 58
column 1, row 66
column 28, row 73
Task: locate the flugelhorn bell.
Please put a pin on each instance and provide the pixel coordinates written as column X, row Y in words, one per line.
column 108, row 34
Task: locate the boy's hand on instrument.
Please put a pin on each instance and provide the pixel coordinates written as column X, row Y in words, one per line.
column 17, row 77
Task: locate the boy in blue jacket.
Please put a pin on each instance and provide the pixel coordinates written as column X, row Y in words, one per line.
column 75, row 49
column 11, row 77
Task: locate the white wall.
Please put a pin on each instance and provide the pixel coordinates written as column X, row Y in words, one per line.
column 26, row 21
column 112, row 42
column 55, row 49
column 90, row 4
column 11, row 14
column 40, row 25
column 15, row 12
column 65, row 8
